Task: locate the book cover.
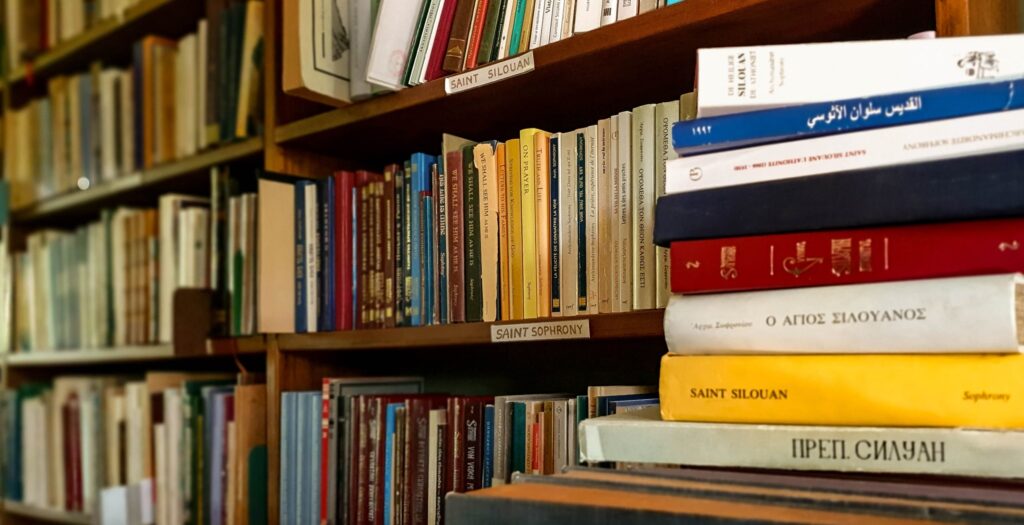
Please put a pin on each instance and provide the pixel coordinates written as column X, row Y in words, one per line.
column 568, row 227
column 455, row 166
column 427, row 240
column 513, row 159
column 311, row 236
column 588, row 15
column 756, row 81
column 392, row 38
column 501, row 181
column 301, row 291
column 554, row 297
column 344, row 182
column 486, row 169
column 439, row 47
column 418, row 37
column 489, row 37
column 870, row 197
column 529, row 9
column 327, row 252
column 582, row 237
column 424, row 42
column 593, row 248
column 666, row 115
column 488, row 446
column 476, row 34
column 515, row 30
column 542, row 192
column 407, row 239
column 980, row 391
column 502, row 40
column 528, row 203
column 389, row 256
column 454, row 57
column 605, row 190
column 436, row 466
column 643, row 193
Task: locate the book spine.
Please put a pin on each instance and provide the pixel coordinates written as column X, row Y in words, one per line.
column 527, row 189
column 456, row 249
column 473, row 448
column 515, row 228
column 581, row 223
column 605, row 189
column 899, row 66
column 438, row 52
column 542, row 178
column 554, row 185
column 476, row 34
column 427, row 240
column 300, row 257
column 343, row 245
column 492, row 24
column 503, row 232
column 490, row 271
column 442, row 242
column 890, row 146
column 312, row 258
column 416, row 252
column 665, row 116
column 362, row 251
column 501, row 41
column 981, row 391
column 325, row 415
column 454, row 57
column 812, row 120
column 389, row 256
column 516, row 30
column 471, row 236
column 846, row 256
column 644, row 278
column 871, row 197
column 958, row 314
column 419, row 38
column 567, row 223
column 407, row 241
column 593, row 295
column 488, row 446
column 524, row 32
column 328, row 253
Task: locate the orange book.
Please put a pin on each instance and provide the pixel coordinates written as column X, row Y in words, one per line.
column 503, row 260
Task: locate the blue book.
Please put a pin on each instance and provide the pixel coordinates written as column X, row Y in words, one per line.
column 581, row 221
column 302, row 460
column 740, row 130
column 421, row 163
column 966, row 188
column 428, row 258
column 442, row 241
column 325, row 271
column 355, row 264
column 631, row 404
column 556, row 254
column 604, row 402
column 300, row 256
column 488, row 445
column 389, row 459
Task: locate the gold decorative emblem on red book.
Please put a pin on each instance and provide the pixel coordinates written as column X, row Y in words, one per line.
column 728, row 263
column 796, row 266
column 1011, row 246
column 864, row 260
column 842, row 257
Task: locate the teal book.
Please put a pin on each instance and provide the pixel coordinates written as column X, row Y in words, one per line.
column 389, row 461
column 471, row 236
column 517, row 28
column 518, row 436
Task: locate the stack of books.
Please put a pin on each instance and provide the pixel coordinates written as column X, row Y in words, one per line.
column 177, row 98
column 890, row 226
column 371, row 47
column 542, row 225
column 378, row 450
column 190, row 446
column 112, row 282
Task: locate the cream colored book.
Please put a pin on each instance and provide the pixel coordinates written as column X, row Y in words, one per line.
column 392, row 38
column 487, row 170
column 276, row 265
column 503, row 232
column 315, row 59
column 250, row 76
column 644, row 266
column 542, row 167
column 624, row 222
column 513, row 158
column 527, row 189
column 665, row 115
column 604, row 217
column 593, row 243
column 615, row 240
column 567, row 239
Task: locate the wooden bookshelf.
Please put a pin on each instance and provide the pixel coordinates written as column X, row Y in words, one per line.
column 43, row 515
column 188, row 174
column 632, row 325
column 95, row 356
column 644, row 59
column 112, row 39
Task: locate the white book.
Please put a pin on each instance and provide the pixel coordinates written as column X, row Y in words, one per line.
column 537, row 21
column 425, row 42
column 588, row 15
column 108, row 124
column 593, row 248
column 735, row 79
column 170, row 226
column 569, row 19
column 644, row 258
column 641, row 437
column 627, row 9
column 665, row 115
column 318, row 65
column 609, row 12
column 604, row 216
column 506, row 25
column 312, row 257
column 435, row 423
column 927, row 141
column 389, row 52
column 646, row 6
column 202, row 53
column 616, row 212
column 624, row 253
column 932, row 316
column 567, row 230
column 127, row 124
column 547, row 12
column 174, row 449
column 557, row 19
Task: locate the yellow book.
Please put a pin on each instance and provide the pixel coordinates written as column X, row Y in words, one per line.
column 903, row 390
column 542, row 169
column 503, row 260
column 515, row 228
column 528, row 203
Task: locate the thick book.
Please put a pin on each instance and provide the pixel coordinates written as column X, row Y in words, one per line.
column 454, row 57
column 454, row 165
column 977, row 314
column 528, row 203
column 484, row 159
column 986, row 186
column 736, row 79
column 797, row 260
column 958, row 390
column 927, row 141
column 742, row 130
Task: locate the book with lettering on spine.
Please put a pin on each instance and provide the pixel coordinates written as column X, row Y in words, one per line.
column 554, row 187
column 513, row 158
column 666, row 115
column 501, row 181
column 486, row 167
column 582, row 277
column 977, row 314
column 458, row 40
column 593, row 246
column 568, row 230
column 542, row 193
column 643, row 199
column 623, row 248
column 605, row 190
column 474, row 303
column 528, row 203
column 955, row 390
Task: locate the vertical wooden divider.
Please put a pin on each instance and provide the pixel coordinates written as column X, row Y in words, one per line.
column 976, row 17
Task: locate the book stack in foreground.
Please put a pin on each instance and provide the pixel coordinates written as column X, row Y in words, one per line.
column 378, row 450
column 890, row 230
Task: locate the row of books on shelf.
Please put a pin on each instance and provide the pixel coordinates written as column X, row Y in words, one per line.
column 112, row 282
column 174, row 447
column 176, row 99
column 36, row 26
column 542, row 225
column 378, row 450
column 372, row 47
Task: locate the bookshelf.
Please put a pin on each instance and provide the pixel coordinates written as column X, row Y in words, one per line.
column 16, row 510
column 86, row 356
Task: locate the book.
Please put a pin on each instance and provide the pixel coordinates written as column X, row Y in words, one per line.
column 528, row 202
column 727, row 132
column 591, row 216
column 542, row 195
column 554, row 297
column 504, row 268
column 476, row 33
column 953, row 390
column 871, row 197
column 472, row 253
column 458, row 40
column 666, row 115
column 951, row 315
column 396, row 22
column 896, row 66
column 588, row 15
column 846, row 256
column 912, row 143
column 568, row 238
column 484, row 158
column 644, row 193
column 513, row 159
column 277, row 267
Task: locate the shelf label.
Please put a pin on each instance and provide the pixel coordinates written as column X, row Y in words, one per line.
column 542, row 331
column 489, row 74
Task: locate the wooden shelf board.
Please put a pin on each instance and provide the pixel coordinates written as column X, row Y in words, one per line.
column 90, row 356
column 648, row 58
column 113, row 36
column 43, row 514
column 161, row 177
column 632, row 325
column 252, row 344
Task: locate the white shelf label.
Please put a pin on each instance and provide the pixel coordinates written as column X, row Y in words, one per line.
column 489, row 74
column 541, row 331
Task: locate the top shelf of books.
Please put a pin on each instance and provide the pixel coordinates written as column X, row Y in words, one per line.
column 108, row 37
column 652, row 57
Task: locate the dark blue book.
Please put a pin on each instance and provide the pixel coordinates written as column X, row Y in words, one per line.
column 556, row 254
column 427, row 224
column 421, row 163
column 740, row 130
column 978, row 187
column 325, row 270
column 604, row 402
column 354, row 270
column 488, row 445
column 581, row 221
column 300, row 256
column 631, row 404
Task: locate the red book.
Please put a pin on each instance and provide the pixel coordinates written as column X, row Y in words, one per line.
column 475, row 34
column 848, row 256
column 344, row 181
column 456, row 251
column 473, row 437
column 442, row 32
column 363, row 247
column 417, row 429
column 388, row 233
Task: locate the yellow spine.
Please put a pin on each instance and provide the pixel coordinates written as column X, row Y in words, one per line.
column 528, row 188
column 515, row 227
column 954, row 390
column 503, row 232
column 542, row 170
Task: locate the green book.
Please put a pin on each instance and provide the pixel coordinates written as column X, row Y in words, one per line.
column 492, row 24
column 471, row 236
column 414, row 44
column 518, row 437
column 517, row 27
